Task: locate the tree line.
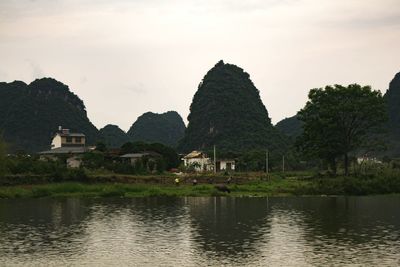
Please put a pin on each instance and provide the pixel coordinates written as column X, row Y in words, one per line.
column 339, row 122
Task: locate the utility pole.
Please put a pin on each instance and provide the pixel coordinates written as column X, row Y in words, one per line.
column 283, row 163
column 215, row 161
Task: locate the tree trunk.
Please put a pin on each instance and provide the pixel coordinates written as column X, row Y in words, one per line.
column 346, row 164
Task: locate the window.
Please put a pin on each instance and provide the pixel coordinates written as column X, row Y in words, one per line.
column 69, row 139
column 78, row 139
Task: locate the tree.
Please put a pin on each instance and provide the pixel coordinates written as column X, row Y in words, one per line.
column 100, row 146
column 339, row 120
column 169, row 154
column 93, row 159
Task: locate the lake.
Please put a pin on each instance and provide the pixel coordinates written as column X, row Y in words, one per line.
column 201, row 231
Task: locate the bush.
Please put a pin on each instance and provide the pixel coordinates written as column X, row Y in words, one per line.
column 113, row 191
column 93, row 160
column 40, row 192
column 386, row 182
column 77, row 175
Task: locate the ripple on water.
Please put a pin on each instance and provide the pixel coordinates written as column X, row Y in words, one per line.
column 201, row 232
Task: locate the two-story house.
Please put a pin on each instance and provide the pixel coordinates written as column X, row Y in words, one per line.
column 64, row 138
column 66, row 143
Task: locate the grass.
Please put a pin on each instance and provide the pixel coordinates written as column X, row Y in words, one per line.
column 257, row 188
column 288, row 184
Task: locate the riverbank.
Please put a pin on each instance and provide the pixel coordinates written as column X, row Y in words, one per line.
column 76, row 189
column 240, row 187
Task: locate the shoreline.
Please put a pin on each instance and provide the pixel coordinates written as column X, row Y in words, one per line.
column 152, row 186
column 103, row 190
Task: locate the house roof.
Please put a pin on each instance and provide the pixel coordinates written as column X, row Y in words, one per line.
column 226, row 160
column 72, row 134
column 140, row 155
column 65, row 150
column 195, row 154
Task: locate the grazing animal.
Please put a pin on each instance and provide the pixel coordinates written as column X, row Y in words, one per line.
column 222, row 188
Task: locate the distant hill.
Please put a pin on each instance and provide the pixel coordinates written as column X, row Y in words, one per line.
column 291, row 126
column 30, row 114
column 166, row 128
column 227, row 111
column 113, row 136
column 392, row 97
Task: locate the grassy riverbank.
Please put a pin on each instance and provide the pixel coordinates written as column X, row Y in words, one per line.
column 142, row 190
column 274, row 186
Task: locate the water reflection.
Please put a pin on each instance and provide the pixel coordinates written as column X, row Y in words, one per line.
column 201, row 231
column 225, row 228
column 30, row 227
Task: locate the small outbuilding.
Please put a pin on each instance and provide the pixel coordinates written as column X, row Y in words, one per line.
column 225, row 165
column 134, row 157
column 73, row 154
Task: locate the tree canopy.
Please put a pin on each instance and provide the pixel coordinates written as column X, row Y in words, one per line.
column 170, row 156
column 339, row 120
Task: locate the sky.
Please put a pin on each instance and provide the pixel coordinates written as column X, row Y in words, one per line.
column 127, row 57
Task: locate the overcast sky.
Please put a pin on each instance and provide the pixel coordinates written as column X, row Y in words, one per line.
column 124, row 58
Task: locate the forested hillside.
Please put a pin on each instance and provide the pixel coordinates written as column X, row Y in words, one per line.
column 166, row 128
column 30, row 114
column 392, row 97
column 291, row 126
column 112, row 136
column 227, row 111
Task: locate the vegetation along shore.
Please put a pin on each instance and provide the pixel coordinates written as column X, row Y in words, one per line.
column 241, row 185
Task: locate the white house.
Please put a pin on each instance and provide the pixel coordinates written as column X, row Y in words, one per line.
column 225, row 165
column 201, row 162
column 66, row 143
column 369, row 160
column 64, row 138
column 198, row 160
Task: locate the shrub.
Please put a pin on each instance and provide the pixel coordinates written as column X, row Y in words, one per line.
column 40, row 192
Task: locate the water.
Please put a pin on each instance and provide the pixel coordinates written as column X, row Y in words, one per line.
column 312, row 231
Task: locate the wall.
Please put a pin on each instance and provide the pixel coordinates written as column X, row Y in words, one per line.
column 74, row 142
column 201, row 161
column 56, row 142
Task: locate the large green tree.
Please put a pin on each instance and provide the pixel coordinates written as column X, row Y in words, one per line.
column 339, row 120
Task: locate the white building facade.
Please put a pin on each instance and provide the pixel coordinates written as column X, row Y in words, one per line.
column 199, row 161
column 64, row 138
